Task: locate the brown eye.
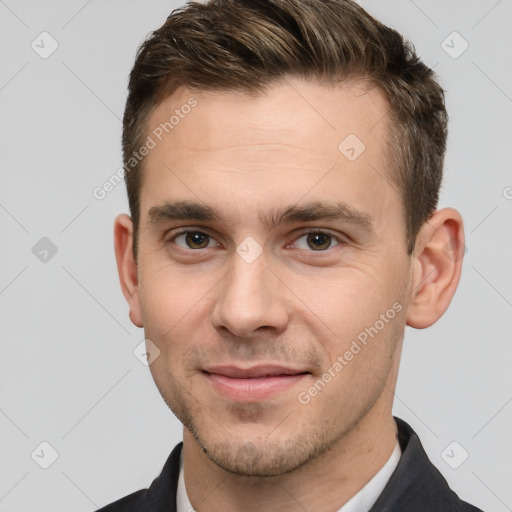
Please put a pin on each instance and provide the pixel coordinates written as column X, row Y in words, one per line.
column 319, row 241
column 197, row 240
column 194, row 240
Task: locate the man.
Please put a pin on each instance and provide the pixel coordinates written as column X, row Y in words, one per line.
column 283, row 160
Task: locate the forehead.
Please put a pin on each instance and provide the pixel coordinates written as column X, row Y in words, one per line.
column 293, row 107
column 297, row 139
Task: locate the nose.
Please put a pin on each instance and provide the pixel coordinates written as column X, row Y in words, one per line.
column 251, row 299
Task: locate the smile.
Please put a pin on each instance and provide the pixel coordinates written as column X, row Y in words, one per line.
column 253, row 384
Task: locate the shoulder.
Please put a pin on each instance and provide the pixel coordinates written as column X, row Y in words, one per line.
column 416, row 483
column 137, row 501
column 161, row 494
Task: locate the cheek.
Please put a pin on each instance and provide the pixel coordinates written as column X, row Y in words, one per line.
column 176, row 308
column 352, row 301
column 168, row 296
column 348, row 295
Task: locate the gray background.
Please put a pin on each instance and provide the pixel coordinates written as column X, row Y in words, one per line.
column 68, row 375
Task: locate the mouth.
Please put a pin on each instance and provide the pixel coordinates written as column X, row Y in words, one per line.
column 254, row 383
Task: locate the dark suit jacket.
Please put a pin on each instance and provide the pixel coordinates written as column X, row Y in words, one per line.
column 415, row 485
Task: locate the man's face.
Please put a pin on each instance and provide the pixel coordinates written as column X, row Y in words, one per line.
column 277, row 250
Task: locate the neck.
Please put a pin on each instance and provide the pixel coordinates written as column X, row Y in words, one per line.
column 325, row 483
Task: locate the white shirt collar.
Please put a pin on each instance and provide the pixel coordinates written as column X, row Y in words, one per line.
column 363, row 501
column 360, row 502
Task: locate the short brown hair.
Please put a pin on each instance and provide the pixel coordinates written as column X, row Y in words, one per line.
column 247, row 45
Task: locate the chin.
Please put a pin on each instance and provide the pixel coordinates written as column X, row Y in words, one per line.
column 263, row 457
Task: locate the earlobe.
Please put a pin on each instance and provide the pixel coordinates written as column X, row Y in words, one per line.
column 437, row 267
column 126, row 266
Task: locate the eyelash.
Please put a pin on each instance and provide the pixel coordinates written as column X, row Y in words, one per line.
column 338, row 239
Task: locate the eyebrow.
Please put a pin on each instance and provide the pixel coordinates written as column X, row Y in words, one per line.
column 314, row 211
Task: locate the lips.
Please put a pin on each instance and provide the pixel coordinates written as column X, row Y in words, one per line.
column 235, row 372
column 253, row 383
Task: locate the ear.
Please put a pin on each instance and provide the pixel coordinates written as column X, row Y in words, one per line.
column 437, row 265
column 127, row 266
